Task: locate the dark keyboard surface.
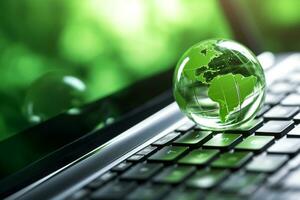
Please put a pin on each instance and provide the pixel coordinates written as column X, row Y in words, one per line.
column 190, row 163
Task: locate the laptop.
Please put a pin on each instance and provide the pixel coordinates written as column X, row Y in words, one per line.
column 87, row 110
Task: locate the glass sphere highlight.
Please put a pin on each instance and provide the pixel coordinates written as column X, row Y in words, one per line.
column 219, row 84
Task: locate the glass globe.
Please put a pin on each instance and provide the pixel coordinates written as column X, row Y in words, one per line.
column 51, row 94
column 219, row 84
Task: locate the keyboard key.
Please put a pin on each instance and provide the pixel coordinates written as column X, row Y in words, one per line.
column 174, row 175
column 296, row 118
column 255, row 143
column 136, row 158
column 98, row 182
column 169, row 153
column 291, row 100
column 281, row 112
column 223, row 141
column 79, row 195
column 243, row 183
column 232, row 160
column 185, row 194
column 149, row 192
column 249, row 127
column 166, row 139
column 142, row 171
column 281, row 88
column 294, row 163
column 114, row 190
column 296, row 71
column 223, row 196
column 205, row 179
column 267, row 163
column 186, row 126
column 275, row 128
column 295, row 132
column 285, row 146
column 121, row 167
column 194, row 138
column 292, row 181
column 294, row 78
column 275, row 178
column 199, row 157
column 147, row 151
column 273, row 99
column 262, row 111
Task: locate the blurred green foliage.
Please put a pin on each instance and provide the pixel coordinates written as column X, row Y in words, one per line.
column 108, row 44
column 277, row 23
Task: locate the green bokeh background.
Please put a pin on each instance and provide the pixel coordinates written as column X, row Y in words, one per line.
column 110, row 44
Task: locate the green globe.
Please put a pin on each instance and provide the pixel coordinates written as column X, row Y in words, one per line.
column 219, row 84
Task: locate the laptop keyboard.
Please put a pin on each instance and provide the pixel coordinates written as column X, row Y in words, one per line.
column 190, row 163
